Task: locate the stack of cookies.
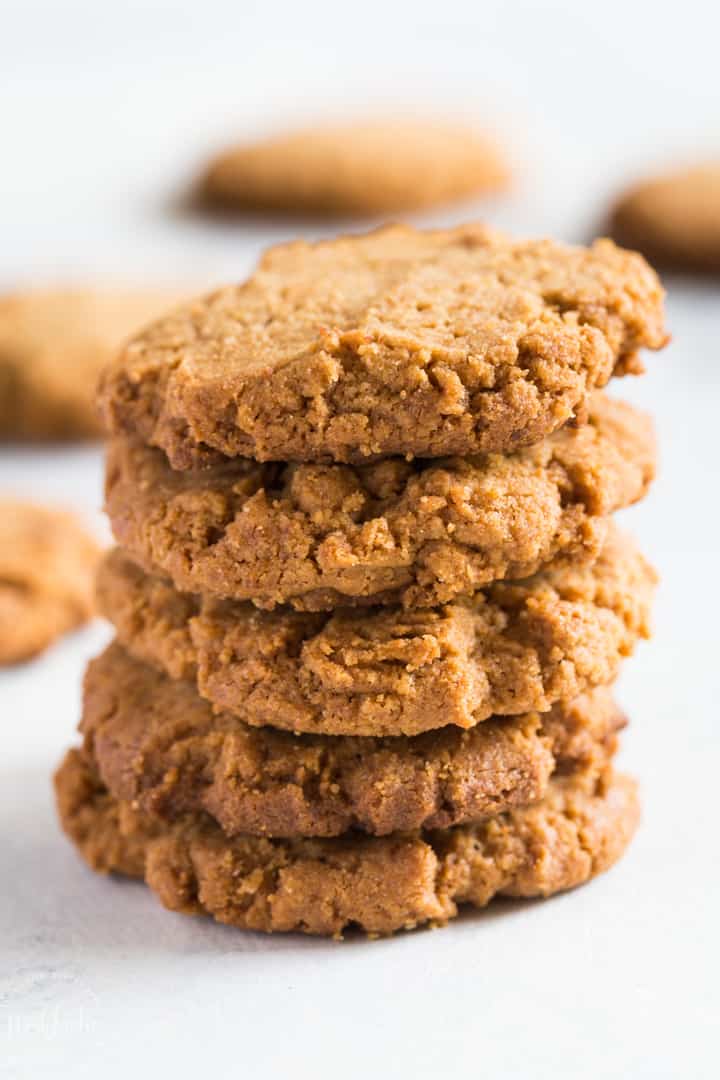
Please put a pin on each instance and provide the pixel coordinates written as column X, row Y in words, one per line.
column 369, row 601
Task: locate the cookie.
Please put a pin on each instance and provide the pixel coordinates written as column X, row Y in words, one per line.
column 47, row 566
column 512, row 648
column 162, row 748
column 674, row 219
column 398, row 342
column 53, row 344
column 380, row 884
column 419, row 533
column 368, row 168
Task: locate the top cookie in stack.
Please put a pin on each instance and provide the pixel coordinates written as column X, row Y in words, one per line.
column 420, row 344
column 368, row 583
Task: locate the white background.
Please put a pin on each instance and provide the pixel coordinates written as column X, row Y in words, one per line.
column 105, row 112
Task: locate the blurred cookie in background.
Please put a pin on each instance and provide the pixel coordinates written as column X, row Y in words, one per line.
column 674, row 219
column 357, row 169
column 47, row 568
column 53, row 344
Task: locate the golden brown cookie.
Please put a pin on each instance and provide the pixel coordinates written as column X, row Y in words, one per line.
column 379, row 884
column 162, row 748
column 512, row 648
column 398, row 342
column 674, row 219
column 53, row 344
column 419, row 533
column 47, row 568
column 366, row 168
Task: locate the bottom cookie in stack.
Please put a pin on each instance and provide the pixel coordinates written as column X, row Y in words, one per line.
column 267, row 830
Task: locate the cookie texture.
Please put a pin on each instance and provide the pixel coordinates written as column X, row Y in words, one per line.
column 419, row 533
column 514, row 647
column 362, row 169
column 398, row 342
column 674, row 219
column 380, row 884
column 47, row 567
column 162, row 748
column 53, row 345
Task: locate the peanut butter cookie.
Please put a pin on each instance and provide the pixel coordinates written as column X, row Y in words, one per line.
column 512, row 648
column 53, row 345
column 674, row 219
column 47, row 567
column 364, row 169
column 419, row 533
column 380, row 884
column 399, row 342
column 162, row 748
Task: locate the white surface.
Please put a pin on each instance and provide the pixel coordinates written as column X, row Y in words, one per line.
column 104, row 112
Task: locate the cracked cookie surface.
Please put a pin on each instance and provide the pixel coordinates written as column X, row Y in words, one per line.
column 380, row 884
column 514, row 647
column 398, row 342
column 162, row 748
column 420, row 533
column 47, row 566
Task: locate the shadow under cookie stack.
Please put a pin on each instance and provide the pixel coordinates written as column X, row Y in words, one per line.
column 369, row 600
